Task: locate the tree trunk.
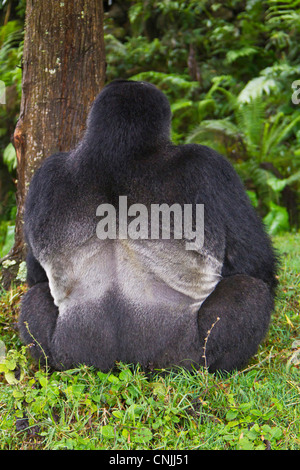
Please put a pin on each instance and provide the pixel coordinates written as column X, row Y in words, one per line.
column 63, row 71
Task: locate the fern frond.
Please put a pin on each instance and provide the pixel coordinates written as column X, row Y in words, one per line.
column 212, row 129
column 180, row 104
column 276, row 133
column 234, row 55
column 285, row 130
column 255, row 89
column 250, row 120
column 161, row 79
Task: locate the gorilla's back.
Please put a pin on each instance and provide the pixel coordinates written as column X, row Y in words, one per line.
column 143, row 271
column 137, row 290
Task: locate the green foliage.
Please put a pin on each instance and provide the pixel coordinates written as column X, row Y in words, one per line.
column 11, row 48
column 86, row 409
column 277, row 220
column 8, row 236
column 257, row 138
column 255, row 88
column 171, row 83
column 242, row 430
column 10, row 158
column 234, row 55
column 12, row 364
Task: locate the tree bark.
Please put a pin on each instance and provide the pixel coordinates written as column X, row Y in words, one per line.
column 63, row 71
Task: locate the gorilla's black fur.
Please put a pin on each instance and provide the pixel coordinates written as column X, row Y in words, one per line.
column 99, row 301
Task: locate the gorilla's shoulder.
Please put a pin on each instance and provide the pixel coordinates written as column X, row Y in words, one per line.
column 199, row 153
column 53, row 166
column 53, row 162
column 47, row 178
column 200, row 160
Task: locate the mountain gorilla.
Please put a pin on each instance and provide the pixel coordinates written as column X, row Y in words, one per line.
column 96, row 300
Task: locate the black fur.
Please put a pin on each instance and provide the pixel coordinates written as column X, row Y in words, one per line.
column 99, row 301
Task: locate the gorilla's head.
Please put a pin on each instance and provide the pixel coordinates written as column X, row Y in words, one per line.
column 129, row 117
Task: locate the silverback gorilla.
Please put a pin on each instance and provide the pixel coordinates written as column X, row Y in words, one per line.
column 96, row 300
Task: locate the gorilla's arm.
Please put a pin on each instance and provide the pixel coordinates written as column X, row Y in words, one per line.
column 35, row 272
column 230, row 216
column 248, row 247
column 39, row 201
column 235, row 317
column 39, row 313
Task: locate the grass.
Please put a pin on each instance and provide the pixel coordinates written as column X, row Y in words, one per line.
column 257, row 408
